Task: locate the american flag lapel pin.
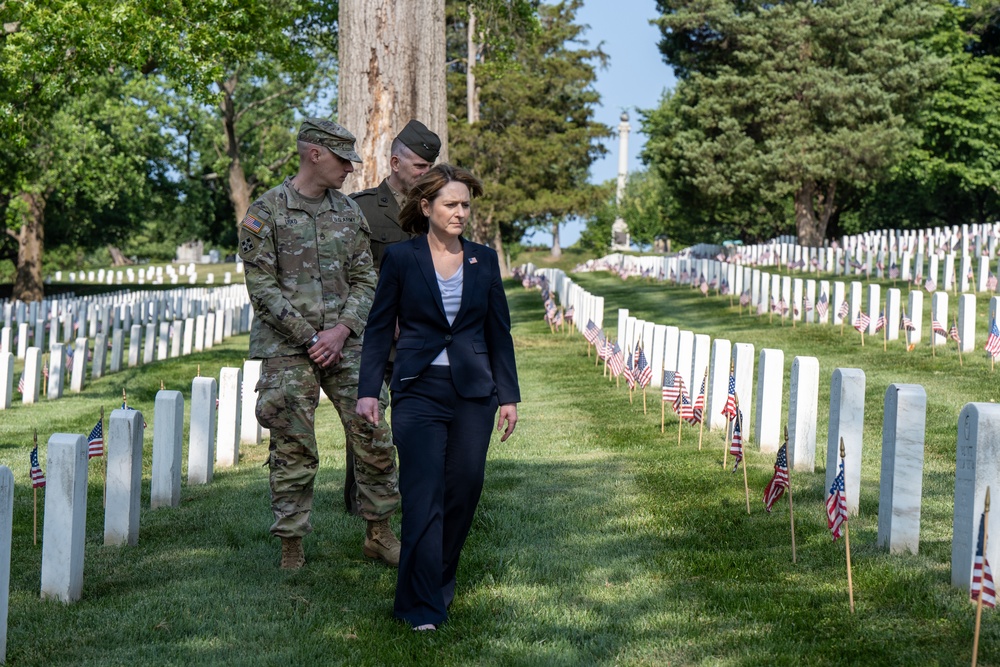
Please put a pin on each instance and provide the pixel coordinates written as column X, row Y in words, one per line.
column 472, row 260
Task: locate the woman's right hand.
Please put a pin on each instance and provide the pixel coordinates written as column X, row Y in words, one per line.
column 368, row 408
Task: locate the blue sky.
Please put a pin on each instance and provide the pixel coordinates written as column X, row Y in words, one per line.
column 635, row 78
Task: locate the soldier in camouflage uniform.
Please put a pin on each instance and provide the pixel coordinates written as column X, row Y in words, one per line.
column 311, row 280
column 413, row 153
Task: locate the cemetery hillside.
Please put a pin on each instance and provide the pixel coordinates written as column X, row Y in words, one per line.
column 751, row 253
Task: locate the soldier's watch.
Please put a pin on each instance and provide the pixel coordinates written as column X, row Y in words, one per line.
column 312, row 341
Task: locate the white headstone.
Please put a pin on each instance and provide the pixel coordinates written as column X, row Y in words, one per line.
column 802, row 409
column 976, row 469
column 939, row 312
column 892, row 297
column 250, row 429
column 901, row 481
column 168, row 438
column 847, row 419
column 32, row 375
column 201, row 443
column 967, row 321
column 79, row 372
column 230, row 395
column 874, row 307
column 65, row 526
column 916, row 314
column 117, row 350
column 124, row 485
column 770, row 386
column 57, row 371
column 743, row 362
column 6, row 380
column 718, row 383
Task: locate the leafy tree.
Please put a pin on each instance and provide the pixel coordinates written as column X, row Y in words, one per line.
column 953, row 175
column 790, row 102
column 536, row 137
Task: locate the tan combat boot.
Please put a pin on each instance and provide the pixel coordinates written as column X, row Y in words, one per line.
column 292, row 556
column 381, row 543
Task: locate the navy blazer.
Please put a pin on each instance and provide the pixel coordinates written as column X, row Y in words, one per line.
column 480, row 347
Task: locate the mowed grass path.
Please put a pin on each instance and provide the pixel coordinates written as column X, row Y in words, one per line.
column 598, row 540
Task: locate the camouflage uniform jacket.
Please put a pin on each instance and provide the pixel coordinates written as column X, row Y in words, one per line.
column 304, row 273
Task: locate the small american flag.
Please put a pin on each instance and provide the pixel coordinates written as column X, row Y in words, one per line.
column 991, row 283
column 615, row 361
column 686, row 409
column 568, row 315
column 930, row 286
column 907, row 323
column 745, row 298
column 844, row 310
column 736, row 446
column 698, row 409
column 880, row 322
column 37, row 476
column 807, row 305
column 982, row 576
column 822, row 305
column 729, row 409
column 836, row 504
column 938, row 328
column 917, row 280
column 893, row 272
column 862, row 321
column 681, row 392
column 643, row 371
column 604, row 348
column 993, row 340
column 671, row 386
column 776, row 487
column 20, row 384
column 95, row 441
column 627, row 372
column 953, row 333
column 591, row 332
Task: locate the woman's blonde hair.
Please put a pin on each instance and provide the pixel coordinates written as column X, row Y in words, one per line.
column 412, row 219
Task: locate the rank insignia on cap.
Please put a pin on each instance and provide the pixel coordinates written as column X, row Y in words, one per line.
column 252, row 223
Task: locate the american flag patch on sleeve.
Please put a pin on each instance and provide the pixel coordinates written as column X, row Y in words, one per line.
column 252, row 223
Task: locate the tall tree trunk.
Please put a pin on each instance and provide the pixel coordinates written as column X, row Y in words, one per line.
column 239, row 189
column 498, row 246
column 392, row 69
column 30, row 245
column 556, row 250
column 813, row 209
column 472, row 57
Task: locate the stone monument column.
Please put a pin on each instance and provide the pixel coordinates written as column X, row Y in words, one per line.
column 619, row 230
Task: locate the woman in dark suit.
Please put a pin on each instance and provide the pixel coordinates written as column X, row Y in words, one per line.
column 454, row 367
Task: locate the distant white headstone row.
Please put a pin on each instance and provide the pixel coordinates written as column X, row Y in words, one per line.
column 670, row 348
column 154, row 275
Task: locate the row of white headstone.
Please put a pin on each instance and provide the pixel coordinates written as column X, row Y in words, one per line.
column 696, row 356
column 214, row 439
column 151, row 274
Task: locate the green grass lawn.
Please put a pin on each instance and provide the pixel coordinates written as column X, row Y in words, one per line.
column 598, row 540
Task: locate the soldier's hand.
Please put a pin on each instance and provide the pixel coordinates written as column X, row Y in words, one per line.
column 368, row 408
column 327, row 350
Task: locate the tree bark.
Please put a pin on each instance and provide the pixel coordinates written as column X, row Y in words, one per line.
column 813, row 208
column 240, row 190
column 472, row 57
column 28, row 284
column 392, row 69
column 501, row 256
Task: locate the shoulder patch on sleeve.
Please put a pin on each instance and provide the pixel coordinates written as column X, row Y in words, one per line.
column 252, row 224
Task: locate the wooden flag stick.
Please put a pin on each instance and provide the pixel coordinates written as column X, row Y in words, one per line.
column 746, row 486
column 885, row 334
column 104, row 456
column 34, row 489
column 791, row 510
column 979, row 598
column 862, row 338
column 680, row 422
column 847, row 547
column 643, row 400
column 725, row 451
column 45, row 375
column 701, row 424
column 958, row 344
column 663, row 416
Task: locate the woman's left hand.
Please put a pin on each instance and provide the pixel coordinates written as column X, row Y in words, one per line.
column 508, row 413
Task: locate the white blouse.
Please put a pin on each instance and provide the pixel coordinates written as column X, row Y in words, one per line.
column 451, row 297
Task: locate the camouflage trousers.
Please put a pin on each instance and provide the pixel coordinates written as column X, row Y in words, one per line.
column 287, row 396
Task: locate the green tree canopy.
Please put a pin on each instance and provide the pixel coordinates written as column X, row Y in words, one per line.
column 785, row 104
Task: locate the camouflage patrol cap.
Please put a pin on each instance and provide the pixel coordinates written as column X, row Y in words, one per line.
column 420, row 140
column 327, row 133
